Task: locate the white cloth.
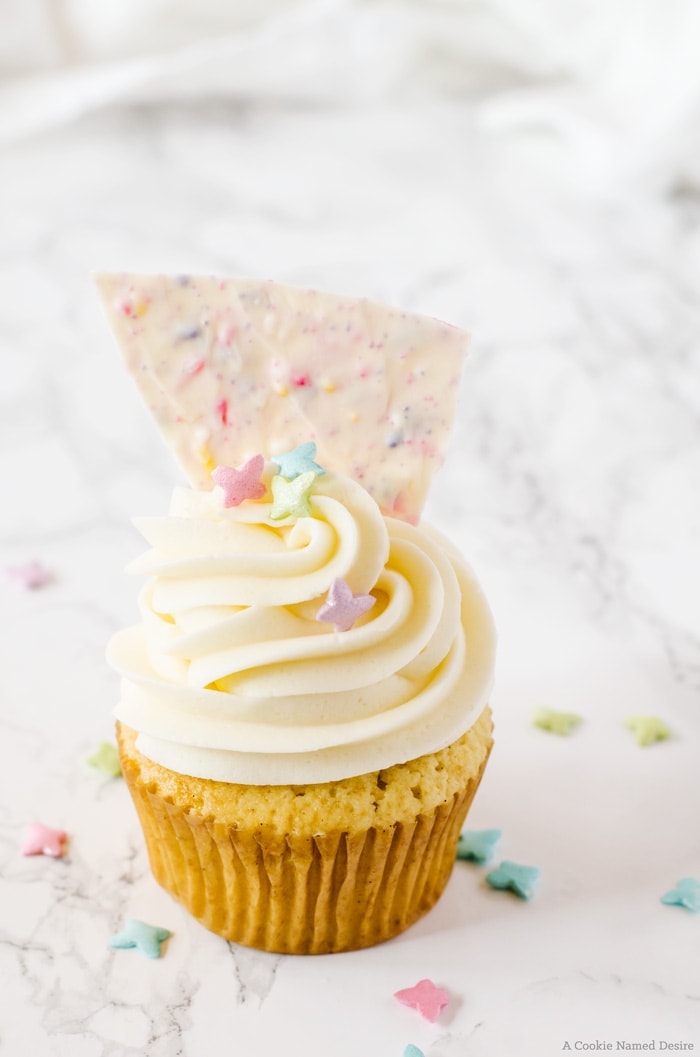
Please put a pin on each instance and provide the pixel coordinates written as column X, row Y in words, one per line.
column 604, row 74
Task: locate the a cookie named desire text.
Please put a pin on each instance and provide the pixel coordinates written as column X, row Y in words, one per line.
column 626, row 1046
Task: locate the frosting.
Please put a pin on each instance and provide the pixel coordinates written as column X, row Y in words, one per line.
column 235, row 675
column 231, row 367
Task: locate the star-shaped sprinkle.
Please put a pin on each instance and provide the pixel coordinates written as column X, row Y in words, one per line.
column 510, row 875
column 292, row 498
column 647, row 729
column 342, row 608
column 298, row 461
column 477, row 845
column 145, row 938
column 42, row 840
column 412, row 1051
column 685, row 894
column 29, row 576
column 105, row 758
column 428, row 999
column 561, row 723
column 241, row 482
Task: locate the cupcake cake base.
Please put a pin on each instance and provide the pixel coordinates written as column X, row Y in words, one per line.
column 312, row 869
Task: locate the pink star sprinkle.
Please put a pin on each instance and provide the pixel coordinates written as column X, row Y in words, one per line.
column 30, row 575
column 242, row 482
column 342, row 608
column 42, row 840
column 428, row 999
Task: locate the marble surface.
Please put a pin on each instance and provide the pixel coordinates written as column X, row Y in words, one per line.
column 569, row 245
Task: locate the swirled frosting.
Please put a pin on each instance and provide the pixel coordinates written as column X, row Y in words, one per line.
column 231, row 676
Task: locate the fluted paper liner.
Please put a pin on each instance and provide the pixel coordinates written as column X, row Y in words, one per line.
column 301, row 893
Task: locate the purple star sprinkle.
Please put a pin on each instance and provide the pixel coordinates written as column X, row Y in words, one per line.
column 342, row 608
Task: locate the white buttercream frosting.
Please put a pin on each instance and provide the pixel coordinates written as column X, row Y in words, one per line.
column 231, row 676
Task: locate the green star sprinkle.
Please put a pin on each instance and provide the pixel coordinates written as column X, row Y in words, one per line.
column 561, row 723
column 145, row 938
column 106, row 759
column 647, row 729
column 291, row 498
column 685, row 894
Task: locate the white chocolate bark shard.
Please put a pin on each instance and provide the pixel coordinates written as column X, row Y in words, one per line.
column 234, row 367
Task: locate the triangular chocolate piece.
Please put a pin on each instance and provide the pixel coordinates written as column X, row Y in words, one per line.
column 233, row 367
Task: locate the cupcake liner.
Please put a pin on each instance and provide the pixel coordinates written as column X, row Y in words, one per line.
column 300, row 893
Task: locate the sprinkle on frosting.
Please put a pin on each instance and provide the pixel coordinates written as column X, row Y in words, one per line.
column 561, row 723
column 147, row 939
column 342, row 608
column 647, row 729
column 292, row 498
column 105, row 759
column 428, row 999
column 685, row 894
column 412, row 1051
column 42, row 840
column 477, row 845
column 241, row 482
column 298, row 461
column 29, row 576
column 516, row 878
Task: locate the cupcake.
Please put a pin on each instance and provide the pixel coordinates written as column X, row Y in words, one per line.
column 303, row 719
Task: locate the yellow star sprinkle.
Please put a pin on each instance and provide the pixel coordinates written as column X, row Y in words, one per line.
column 561, row 723
column 106, row 759
column 647, row 729
column 291, row 498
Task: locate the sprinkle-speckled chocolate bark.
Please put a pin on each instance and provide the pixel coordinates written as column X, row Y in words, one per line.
column 232, row 367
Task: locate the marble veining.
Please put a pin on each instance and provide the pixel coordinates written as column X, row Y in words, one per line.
column 507, row 190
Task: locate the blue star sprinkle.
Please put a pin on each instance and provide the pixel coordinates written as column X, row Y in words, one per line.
column 298, row 461
column 476, row 845
column 146, row 938
column 510, row 875
column 685, row 894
